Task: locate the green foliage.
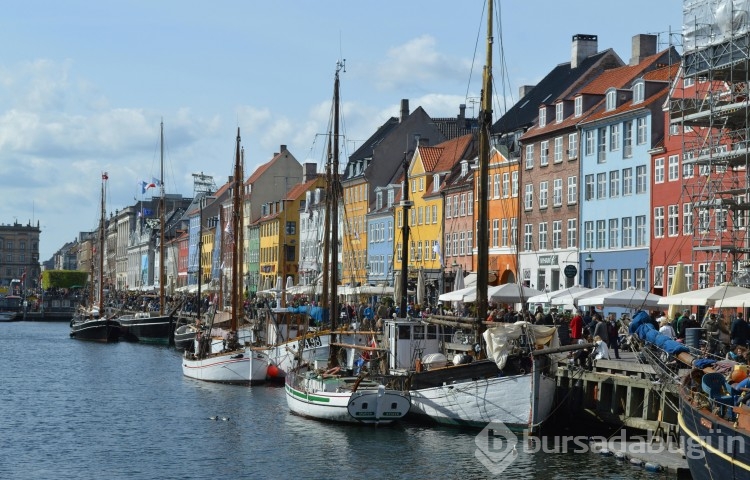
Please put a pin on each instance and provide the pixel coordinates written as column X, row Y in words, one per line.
column 63, row 279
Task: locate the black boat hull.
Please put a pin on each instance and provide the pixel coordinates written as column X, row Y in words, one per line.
column 103, row 330
column 156, row 330
column 714, row 447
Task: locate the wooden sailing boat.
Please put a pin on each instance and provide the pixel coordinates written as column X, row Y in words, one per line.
column 326, row 395
column 92, row 323
column 227, row 360
column 154, row 327
column 514, row 385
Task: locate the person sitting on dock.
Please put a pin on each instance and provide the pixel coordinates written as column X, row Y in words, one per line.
column 665, row 327
column 601, row 350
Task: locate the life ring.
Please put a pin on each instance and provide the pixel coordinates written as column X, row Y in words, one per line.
column 332, row 371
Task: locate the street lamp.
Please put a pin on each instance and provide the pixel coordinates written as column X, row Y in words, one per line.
column 589, row 269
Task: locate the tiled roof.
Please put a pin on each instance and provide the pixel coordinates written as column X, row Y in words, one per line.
column 300, row 189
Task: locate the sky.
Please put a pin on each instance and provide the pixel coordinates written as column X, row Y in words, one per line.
column 84, row 85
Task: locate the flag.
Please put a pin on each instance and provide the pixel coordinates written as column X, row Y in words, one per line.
column 436, row 249
column 146, row 185
column 147, row 212
column 23, row 277
column 105, row 176
column 155, row 182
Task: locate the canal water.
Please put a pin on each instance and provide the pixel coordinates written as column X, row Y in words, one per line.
column 77, row 410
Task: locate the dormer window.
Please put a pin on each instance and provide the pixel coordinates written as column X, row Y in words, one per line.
column 391, row 196
column 578, row 106
column 542, row 116
column 639, row 90
column 559, row 112
column 464, row 167
column 379, row 200
column 436, row 182
column 611, row 99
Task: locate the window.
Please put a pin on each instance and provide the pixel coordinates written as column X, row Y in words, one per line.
column 588, row 232
column 601, row 185
column 674, row 168
column 573, row 145
column 528, row 198
column 557, row 189
column 614, row 137
column 658, row 277
column 626, row 278
column 448, row 250
column 513, row 230
column 658, row 222
column 514, row 184
column 559, row 112
column 496, row 186
column 543, row 236
column 627, row 182
column 436, row 182
column 640, row 231
column 638, row 92
column 614, row 183
column 434, row 212
column 448, row 207
column 572, row 234
column 688, row 81
column 542, row 116
column 572, row 190
column 589, row 139
column 504, row 233
column 421, row 184
column 640, row 278
column 462, row 243
column 379, row 200
column 463, row 204
column 687, row 219
column 704, row 221
column 640, row 179
column 688, row 169
column 614, row 233
column 600, row 278
column 589, row 187
column 627, row 145
column 602, row 145
column 528, row 230
column 673, row 219
column 558, row 149
column 659, row 170
column 578, row 106
column 506, row 185
column 611, row 99
column 543, row 187
column 529, row 156
column 544, row 153
column 612, row 279
column 557, row 234
column 641, row 126
column 495, row 232
column 291, row 228
column 601, row 234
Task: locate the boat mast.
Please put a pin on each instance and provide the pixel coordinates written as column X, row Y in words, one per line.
column 100, row 286
column 327, row 229
column 163, row 223
column 236, row 226
column 334, row 222
column 484, row 160
column 405, row 204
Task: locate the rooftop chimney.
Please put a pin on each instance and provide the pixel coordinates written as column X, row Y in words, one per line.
column 642, row 46
column 524, row 89
column 310, row 171
column 404, row 109
column 461, row 112
column 583, row 47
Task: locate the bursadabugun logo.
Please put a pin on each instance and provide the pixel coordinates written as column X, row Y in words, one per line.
column 496, row 447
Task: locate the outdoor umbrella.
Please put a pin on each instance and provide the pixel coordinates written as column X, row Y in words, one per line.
column 628, row 298
column 510, row 293
column 679, row 285
column 420, row 287
column 704, row 296
column 565, row 294
column 458, row 295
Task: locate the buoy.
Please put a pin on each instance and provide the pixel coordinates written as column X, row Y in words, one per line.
column 272, row 371
column 215, row 417
column 620, row 456
column 636, row 461
column 606, row 452
column 653, row 467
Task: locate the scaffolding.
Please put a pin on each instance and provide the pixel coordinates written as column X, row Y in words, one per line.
column 711, row 109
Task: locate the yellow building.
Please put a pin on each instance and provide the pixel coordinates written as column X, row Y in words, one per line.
column 428, row 170
column 354, row 235
column 279, row 234
column 208, row 235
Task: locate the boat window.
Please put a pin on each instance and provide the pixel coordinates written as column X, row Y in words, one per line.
column 431, row 332
column 404, row 332
column 418, row 332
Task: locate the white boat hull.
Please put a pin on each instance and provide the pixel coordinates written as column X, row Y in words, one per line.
column 332, row 400
column 242, row 367
column 517, row 401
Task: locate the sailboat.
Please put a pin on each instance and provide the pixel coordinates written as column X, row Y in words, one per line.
column 92, row 323
column 153, row 327
column 227, row 360
column 324, row 394
column 501, row 374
